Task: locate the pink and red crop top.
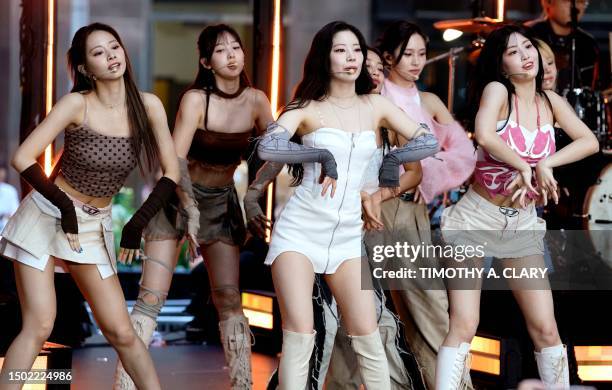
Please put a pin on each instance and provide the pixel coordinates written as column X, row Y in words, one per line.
column 531, row 145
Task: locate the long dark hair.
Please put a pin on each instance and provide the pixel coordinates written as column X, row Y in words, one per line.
column 489, row 67
column 317, row 76
column 384, row 132
column 143, row 138
column 207, row 41
column 397, row 34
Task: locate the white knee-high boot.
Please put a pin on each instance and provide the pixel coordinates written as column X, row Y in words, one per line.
column 453, row 367
column 295, row 360
column 373, row 365
column 552, row 365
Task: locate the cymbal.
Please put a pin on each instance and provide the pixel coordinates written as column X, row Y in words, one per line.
column 482, row 24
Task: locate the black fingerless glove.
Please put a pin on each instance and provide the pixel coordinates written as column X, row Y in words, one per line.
column 132, row 231
column 41, row 183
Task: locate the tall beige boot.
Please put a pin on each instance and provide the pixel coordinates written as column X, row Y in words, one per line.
column 144, row 327
column 372, row 361
column 552, row 366
column 453, row 367
column 295, row 360
column 236, row 340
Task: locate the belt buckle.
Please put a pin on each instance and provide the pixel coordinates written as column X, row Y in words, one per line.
column 90, row 209
column 407, row 197
column 508, row 211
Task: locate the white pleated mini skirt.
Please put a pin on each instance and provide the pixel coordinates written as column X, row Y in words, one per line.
column 33, row 236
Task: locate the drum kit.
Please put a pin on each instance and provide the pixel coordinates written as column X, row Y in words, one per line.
column 594, row 108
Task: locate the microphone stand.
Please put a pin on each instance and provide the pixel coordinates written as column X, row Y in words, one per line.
column 574, row 27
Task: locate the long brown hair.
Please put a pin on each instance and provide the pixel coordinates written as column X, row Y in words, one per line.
column 143, row 138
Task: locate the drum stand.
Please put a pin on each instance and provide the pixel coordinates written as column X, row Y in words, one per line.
column 451, row 55
column 574, row 25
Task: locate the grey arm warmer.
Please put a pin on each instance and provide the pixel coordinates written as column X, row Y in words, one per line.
column 265, row 175
column 276, row 146
column 416, row 149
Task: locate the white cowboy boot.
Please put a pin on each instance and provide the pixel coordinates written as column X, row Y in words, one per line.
column 552, row 365
column 295, row 360
column 453, row 367
column 373, row 365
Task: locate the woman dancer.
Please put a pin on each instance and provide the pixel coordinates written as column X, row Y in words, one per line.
column 107, row 125
column 215, row 121
column 319, row 229
column 338, row 364
column 423, row 310
column 514, row 128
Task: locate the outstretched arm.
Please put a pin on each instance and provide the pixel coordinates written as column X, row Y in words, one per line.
column 276, row 146
column 422, row 143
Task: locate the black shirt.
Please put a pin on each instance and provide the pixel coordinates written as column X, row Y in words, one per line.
column 587, row 55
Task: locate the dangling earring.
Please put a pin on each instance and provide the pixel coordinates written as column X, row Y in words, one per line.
column 212, row 70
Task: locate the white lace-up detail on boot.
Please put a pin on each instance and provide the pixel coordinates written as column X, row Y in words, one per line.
column 453, row 367
column 552, row 365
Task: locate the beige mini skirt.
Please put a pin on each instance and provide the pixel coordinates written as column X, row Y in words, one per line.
column 33, row 235
column 503, row 232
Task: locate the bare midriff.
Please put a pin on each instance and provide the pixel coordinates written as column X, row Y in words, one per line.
column 209, row 175
column 90, row 200
column 498, row 200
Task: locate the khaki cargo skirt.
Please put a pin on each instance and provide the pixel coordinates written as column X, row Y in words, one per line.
column 220, row 218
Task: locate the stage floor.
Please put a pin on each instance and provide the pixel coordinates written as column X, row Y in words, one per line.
column 179, row 366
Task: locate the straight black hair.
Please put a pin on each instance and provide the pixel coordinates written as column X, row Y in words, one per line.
column 489, row 68
column 317, row 76
column 397, row 34
column 207, row 41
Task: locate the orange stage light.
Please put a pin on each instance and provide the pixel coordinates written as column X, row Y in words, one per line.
column 258, row 309
column 594, row 362
column 274, row 94
column 48, row 156
column 500, row 10
column 486, row 353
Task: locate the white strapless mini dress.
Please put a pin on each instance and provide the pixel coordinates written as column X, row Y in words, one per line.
column 328, row 231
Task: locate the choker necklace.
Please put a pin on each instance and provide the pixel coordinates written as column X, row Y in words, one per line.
column 226, row 95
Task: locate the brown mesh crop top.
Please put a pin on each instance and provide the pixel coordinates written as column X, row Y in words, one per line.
column 95, row 164
column 216, row 147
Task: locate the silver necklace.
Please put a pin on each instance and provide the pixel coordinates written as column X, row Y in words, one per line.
column 342, row 123
column 329, row 99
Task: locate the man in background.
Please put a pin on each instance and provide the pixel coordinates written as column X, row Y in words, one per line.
column 555, row 29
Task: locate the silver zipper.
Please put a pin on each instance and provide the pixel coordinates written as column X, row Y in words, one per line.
column 341, row 201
